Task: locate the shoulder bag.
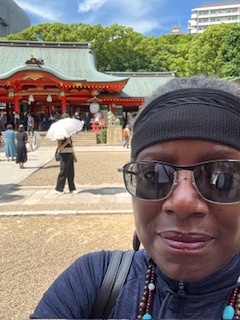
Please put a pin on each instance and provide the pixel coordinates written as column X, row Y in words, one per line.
column 57, row 155
column 113, row 282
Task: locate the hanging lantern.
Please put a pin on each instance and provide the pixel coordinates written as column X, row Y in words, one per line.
column 31, row 98
column 49, row 98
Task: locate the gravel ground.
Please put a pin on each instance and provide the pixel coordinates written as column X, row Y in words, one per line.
column 36, row 249
column 91, row 168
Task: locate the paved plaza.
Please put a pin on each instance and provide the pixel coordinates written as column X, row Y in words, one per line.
column 30, row 199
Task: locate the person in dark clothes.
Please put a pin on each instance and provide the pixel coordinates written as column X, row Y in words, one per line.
column 67, row 159
column 184, row 179
column 21, row 151
column 24, row 119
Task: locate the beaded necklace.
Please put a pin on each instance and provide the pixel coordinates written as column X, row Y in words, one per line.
column 146, row 302
column 230, row 312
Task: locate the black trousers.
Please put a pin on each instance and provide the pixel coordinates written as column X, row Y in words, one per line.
column 66, row 172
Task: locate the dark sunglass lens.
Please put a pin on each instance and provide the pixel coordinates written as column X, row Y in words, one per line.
column 148, row 180
column 219, row 181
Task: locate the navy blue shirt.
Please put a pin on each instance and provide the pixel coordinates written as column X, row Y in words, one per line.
column 74, row 292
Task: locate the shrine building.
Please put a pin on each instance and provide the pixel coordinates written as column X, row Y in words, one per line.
column 47, row 77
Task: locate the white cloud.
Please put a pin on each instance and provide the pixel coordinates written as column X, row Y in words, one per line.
column 138, row 14
column 48, row 11
column 144, row 16
column 88, row 5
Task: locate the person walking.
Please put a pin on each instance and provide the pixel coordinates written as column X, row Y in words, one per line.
column 30, row 124
column 17, row 120
column 10, row 146
column 87, row 123
column 11, row 118
column 22, row 138
column 24, row 119
column 67, row 159
column 126, row 136
column 2, row 121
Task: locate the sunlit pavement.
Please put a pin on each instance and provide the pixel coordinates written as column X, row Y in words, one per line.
column 22, row 200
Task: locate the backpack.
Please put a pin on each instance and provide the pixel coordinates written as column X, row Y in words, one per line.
column 125, row 133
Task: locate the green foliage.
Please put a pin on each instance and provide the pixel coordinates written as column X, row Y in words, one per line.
column 214, row 52
column 181, row 56
column 230, row 52
column 103, row 135
column 119, row 49
column 204, row 54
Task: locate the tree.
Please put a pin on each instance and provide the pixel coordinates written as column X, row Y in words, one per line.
column 230, row 52
column 204, row 54
column 181, row 56
column 163, row 52
column 118, row 48
column 43, row 32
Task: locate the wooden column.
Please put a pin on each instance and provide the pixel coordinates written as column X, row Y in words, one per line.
column 16, row 104
column 64, row 104
column 112, row 108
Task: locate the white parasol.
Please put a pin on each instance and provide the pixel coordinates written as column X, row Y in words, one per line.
column 64, row 128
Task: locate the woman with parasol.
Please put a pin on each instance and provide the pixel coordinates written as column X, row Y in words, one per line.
column 67, row 160
column 62, row 131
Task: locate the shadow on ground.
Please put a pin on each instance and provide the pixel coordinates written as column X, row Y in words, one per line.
column 104, row 191
column 7, row 196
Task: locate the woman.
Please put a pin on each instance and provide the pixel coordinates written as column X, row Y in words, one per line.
column 10, row 146
column 67, row 159
column 22, row 138
column 16, row 120
column 184, row 178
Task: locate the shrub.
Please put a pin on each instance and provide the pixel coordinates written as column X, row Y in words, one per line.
column 103, row 135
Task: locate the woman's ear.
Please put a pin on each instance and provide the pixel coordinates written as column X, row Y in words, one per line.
column 135, row 242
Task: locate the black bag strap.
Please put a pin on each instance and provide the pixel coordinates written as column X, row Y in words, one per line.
column 113, row 281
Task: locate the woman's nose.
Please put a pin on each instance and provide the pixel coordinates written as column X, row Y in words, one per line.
column 184, row 199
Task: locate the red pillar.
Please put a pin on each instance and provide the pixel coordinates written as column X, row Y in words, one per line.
column 16, row 104
column 64, row 104
column 113, row 108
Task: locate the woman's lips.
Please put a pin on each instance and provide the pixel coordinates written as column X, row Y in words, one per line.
column 186, row 242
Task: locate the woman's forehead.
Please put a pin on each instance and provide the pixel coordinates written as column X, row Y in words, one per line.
column 184, row 150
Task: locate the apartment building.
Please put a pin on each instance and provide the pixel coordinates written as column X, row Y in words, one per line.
column 12, row 18
column 213, row 13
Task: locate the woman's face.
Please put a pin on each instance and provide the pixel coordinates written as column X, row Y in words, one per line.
column 188, row 237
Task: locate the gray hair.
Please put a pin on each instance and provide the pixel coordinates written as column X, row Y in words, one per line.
column 198, row 108
column 200, row 81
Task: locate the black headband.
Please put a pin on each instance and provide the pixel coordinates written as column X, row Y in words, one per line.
column 199, row 113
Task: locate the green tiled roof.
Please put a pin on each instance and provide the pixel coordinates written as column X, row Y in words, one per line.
column 68, row 61
column 74, row 62
column 143, row 84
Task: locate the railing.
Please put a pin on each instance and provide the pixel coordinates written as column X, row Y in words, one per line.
column 96, row 127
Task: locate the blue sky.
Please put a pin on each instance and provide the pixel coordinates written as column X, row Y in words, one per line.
column 149, row 17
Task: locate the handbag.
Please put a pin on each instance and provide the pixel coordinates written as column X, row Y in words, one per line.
column 29, row 147
column 57, row 155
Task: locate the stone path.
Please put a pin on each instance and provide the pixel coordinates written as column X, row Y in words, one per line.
column 27, row 200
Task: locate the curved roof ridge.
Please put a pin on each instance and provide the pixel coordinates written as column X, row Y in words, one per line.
column 30, row 68
column 67, row 63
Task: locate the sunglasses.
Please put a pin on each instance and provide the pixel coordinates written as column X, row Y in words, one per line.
column 215, row 181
